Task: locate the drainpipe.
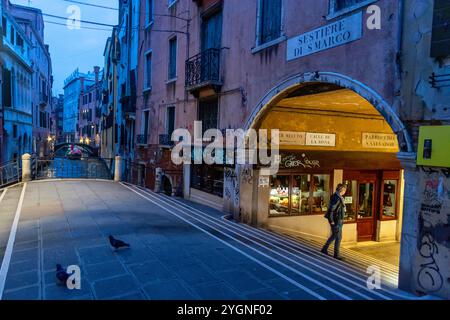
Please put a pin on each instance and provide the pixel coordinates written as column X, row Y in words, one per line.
column 401, row 16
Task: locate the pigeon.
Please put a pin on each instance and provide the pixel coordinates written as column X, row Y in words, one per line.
column 117, row 244
column 61, row 274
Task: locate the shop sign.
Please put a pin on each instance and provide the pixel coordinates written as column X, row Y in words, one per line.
column 320, row 139
column 292, row 138
column 379, row 140
column 263, row 181
column 292, row 161
column 329, row 36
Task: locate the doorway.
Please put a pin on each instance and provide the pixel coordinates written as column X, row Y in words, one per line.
column 360, row 200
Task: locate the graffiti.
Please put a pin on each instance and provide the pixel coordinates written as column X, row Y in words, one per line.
column 231, row 186
column 247, row 176
column 429, row 277
column 433, row 233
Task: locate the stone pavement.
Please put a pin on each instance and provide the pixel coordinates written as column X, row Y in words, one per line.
column 176, row 253
column 68, row 223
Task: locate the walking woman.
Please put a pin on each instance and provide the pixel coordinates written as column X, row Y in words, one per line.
column 335, row 216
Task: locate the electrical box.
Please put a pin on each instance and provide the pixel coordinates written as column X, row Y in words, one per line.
column 433, row 149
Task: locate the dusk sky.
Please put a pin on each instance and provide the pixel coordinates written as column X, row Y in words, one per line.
column 71, row 49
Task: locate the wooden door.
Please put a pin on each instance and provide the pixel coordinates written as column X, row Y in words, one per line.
column 362, row 205
column 366, row 214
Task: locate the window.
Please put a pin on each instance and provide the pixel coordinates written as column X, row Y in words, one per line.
column 299, row 194
column 4, row 26
column 269, row 21
column 351, row 201
column 149, row 12
column 12, row 35
column 279, row 195
column 344, row 4
column 440, row 40
column 208, row 114
column 148, row 70
column 172, row 58
column 339, row 7
column 145, row 126
column 365, row 200
column 207, row 178
column 19, row 40
column 7, row 88
column 14, row 130
column 389, row 199
column 170, row 121
column 171, row 2
column 90, row 97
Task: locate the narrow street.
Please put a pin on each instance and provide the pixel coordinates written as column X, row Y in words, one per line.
column 179, row 250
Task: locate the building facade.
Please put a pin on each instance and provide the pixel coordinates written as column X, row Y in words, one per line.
column 57, row 116
column 31, row 21
column 341, row 88
column 425, row 92
column 16, row 88
column 74, row 85
column 90, row 112
column 120, row 84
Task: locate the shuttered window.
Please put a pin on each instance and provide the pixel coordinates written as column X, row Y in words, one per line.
column 440, row 41
column 172, row 58
column 269, row 21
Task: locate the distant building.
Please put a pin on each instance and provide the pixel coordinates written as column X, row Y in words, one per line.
column 76, row 83
column 90, row 111
column 120, row 85
column 57, row 117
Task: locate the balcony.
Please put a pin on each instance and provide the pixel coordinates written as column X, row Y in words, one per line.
column 165, row 140
column 203, row 72
column 141, row 139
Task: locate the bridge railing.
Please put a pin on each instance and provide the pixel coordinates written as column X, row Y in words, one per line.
column 65, row 168
column 10, row 173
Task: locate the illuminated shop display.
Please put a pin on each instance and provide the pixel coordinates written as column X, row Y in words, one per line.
column 299, row 194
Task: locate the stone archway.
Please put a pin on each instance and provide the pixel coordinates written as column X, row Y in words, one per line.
column 382, row 106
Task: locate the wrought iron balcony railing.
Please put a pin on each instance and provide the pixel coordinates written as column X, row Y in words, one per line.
column 142, row 139
column 203, row 69
column 165, row 140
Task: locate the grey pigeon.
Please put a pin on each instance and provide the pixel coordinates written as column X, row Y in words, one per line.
column 117, row 244
column 61, row 274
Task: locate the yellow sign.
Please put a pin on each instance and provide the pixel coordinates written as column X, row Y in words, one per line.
column 320, row 139
column 292, row 138
column 379, row 140
column 438, row 140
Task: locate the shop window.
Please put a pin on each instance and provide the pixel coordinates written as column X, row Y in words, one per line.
column 207, row 179
column 350, row 199
column 299, row 194
column 389, row 199
column 365, row 202
column 320, row 188
column 279, row 196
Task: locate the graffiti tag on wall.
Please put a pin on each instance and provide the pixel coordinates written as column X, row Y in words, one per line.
column 434, row 232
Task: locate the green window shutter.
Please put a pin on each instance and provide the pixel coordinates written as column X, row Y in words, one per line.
column 440, row 41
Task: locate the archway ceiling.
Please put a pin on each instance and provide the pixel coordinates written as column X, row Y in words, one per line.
column 338, row 101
